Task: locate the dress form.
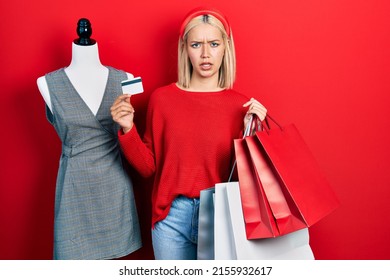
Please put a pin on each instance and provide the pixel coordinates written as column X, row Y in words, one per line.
column 95, row 215
column 86, row 73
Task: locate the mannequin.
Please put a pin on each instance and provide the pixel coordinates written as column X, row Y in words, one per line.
column 86, row 73
column 95, row 211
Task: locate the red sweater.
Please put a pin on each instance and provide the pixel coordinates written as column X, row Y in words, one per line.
column 188, row 142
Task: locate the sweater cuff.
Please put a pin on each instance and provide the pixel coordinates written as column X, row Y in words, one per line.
column 129, row 137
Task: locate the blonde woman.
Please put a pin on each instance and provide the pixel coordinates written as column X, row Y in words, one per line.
column 190, row 127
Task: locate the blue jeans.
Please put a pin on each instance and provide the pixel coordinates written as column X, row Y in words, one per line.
column 176, row 237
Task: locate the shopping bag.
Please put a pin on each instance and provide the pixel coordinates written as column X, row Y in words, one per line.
column 225, row 238
column 283, row 208
column 215, row 239
column 268, row 211
column 259, row 221
column 292, row 246
column 224, row 248
column 269, row 203
column 205, row 250
column 298, row 171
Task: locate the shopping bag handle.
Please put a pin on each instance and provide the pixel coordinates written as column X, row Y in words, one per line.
column 265, row 123
column 248, row 127
column 247, row 132
column 254, row 124
column 258, row 126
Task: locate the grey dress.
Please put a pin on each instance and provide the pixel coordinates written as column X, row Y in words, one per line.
column 95, row 212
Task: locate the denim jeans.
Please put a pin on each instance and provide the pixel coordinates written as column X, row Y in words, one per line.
column 176, row 237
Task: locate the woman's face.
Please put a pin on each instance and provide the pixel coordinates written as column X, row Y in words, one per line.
column 205, row 47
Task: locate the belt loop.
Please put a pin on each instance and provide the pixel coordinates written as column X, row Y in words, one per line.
column 195, row 201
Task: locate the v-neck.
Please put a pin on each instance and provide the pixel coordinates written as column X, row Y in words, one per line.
column 82, row 100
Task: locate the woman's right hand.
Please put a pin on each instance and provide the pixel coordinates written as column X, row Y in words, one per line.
column 122, row 112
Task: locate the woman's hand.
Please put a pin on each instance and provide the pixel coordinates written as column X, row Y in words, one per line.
column 254, row 107
column 122, row 112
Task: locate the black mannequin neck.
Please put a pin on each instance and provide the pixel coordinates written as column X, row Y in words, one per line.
column 84, row 30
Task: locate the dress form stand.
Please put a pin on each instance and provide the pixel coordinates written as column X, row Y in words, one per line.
column 86, row 73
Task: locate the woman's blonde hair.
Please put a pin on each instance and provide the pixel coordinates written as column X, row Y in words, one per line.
column 227, row 71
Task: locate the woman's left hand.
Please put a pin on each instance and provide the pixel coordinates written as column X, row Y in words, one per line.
column 254, row 107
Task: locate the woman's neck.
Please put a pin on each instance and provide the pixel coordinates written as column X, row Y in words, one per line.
column 209, row 84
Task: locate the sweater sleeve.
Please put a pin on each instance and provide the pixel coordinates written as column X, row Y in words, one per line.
column 137, row 152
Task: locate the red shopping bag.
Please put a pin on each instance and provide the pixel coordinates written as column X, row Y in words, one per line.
column 299, row 172
column 281, row 185
column 259, row 222
column 268, row 209
column 284, row 211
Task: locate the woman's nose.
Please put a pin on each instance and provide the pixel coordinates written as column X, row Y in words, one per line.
column 205, row 51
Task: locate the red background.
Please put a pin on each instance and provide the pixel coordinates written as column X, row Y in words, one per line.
column 323, row 65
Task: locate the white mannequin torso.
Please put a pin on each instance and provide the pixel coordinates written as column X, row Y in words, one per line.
column 87, row 75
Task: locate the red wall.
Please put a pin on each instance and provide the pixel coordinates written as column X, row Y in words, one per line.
column 323, row 65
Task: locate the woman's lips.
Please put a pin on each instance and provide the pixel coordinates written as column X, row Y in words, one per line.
column 205, row 66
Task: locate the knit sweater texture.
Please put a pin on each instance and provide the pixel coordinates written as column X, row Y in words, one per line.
column 187, row 144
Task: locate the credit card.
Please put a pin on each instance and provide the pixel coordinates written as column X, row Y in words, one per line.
column 132, row 86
